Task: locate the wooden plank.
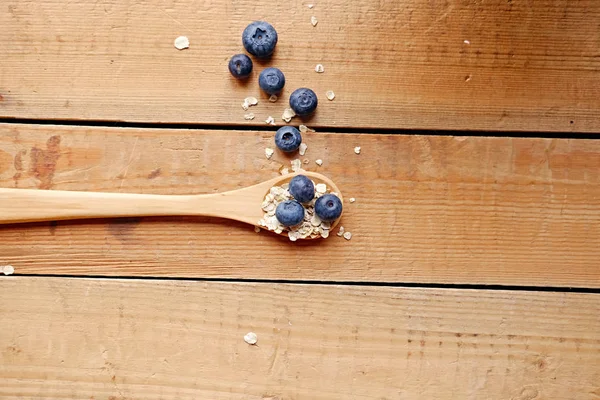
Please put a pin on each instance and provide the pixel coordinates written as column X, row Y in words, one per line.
column 429, row 208
column 453, row 64
column 128, row 339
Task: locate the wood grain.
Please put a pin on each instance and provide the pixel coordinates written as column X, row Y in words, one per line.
column 116, row 339
column 432, row 209
column 490, row 65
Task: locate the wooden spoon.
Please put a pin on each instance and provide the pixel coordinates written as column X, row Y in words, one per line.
column 244, row 205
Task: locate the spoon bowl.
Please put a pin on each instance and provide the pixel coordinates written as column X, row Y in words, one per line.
column 244, row 205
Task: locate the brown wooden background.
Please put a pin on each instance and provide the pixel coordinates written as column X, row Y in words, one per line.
column 473, row 269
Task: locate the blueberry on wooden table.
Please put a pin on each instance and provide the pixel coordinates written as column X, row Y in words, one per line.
column 240, row 66
column 303, row 101
column 289, row 213
column 288, row 139
column 259, row 39
column 302, row 188
column 271, row 80
column 328, row 207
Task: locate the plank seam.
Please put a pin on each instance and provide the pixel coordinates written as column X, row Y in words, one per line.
column 449, row 286
column 322, row 129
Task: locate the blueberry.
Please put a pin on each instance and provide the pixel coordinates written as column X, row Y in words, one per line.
column 302, row 188
column 288, row 139
column 240, row 66
column 303, row 101
column 259, row 39
column 328, row 207
column 289, row 213
column 271, row 80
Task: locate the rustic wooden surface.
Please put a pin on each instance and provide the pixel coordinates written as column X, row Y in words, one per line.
column 496, row 65
column 127, row 339
column 428, row 209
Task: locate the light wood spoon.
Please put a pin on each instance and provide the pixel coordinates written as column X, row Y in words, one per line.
column 244, row 205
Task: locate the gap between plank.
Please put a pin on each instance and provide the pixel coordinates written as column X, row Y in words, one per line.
column 450, row 286
column 323, row 129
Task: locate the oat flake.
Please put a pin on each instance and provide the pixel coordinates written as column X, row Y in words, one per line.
column 321, row 188
column 302, row 149
column 181, row 43
column 311, row 6
column 251, row 338
column 319, row 68
column 8, row 270
column 319, row 162
column 304, row 129
column 270, row 120
column 296, row 165
column 269, row 153
column 357, row 149
column 330, row 95
column 341, row 231
column 288, row 114
column 273, row 98
column 314, row 21
column 249, row 116
column 347, row 235
column 352, row 199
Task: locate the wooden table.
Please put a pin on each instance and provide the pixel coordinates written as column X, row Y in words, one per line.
column 473, row 271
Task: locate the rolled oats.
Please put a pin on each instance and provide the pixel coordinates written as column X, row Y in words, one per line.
column 181, row 43
column 269, row 153
column 311, row 227
column 288, row 114
column 357, row 149
column 319, row 162
column 330, row 95
column 302, row 149
column 314, row 21
column 319, row 68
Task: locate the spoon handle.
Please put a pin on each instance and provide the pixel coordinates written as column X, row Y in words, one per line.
column 30, row 205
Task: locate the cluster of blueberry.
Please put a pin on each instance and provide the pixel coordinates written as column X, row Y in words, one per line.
column 291, row 212
column 259, row 39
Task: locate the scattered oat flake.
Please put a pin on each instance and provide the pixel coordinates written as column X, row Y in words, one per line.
column 321, row 188
column 340, row 231
column 269, row 152
column 8, row 270
column 330, row 95
column 273, row 98
column 284, row 171
column 314, row 21
column 304, row 129
column 319, row 68
column 311, row 6
column 251, row 338
column 347, row 235
column 352, row 199
column 181, row 43
column 257, row 229
column 467, row 42
column 252, row 101
column 249, row 116
column 302, row 149
column 288, row 114
column 296, row 165
column 245, row 106
column 305, row 161
column 319, row 162
column 357, row 149
column 270, row 120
